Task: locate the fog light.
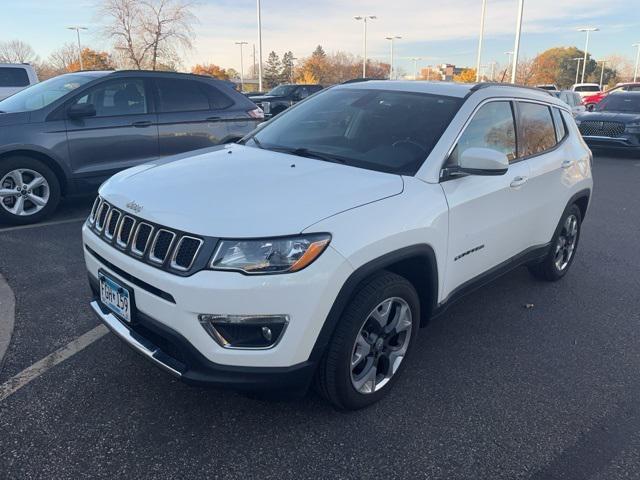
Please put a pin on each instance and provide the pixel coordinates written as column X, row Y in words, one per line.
column 244, row 331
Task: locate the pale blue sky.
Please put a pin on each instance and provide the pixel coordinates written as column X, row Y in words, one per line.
column 436, row 30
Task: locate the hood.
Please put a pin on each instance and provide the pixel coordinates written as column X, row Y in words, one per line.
column 609, row 117
column 265, row 98
column 8, row 119
column 241, row 192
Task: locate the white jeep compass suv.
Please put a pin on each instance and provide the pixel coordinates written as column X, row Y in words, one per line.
column 314, row 250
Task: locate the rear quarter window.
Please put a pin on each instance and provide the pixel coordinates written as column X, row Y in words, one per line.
column 13, row 77
column 536, row 131
column 561, row 130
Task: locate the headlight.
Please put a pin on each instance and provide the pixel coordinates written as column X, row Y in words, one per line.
column 271, row 255
column 633, row 127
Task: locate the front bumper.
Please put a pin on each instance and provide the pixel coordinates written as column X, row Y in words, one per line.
column 627, row 142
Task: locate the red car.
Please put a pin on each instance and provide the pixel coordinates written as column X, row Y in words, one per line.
column 591, row 101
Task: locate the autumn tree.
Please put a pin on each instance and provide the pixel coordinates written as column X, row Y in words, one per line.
column 211, row 70
column 558, row 65
column 91, row 60
column 468, row 75
column 149, row 32
column 272, row 71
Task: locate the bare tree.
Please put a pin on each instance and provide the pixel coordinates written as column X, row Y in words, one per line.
column 61, row 59
column 149, row 33
column 17, row 51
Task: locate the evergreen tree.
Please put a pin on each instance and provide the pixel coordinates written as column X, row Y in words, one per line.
column 286, row 74
column 272, row 71
column 319, row 53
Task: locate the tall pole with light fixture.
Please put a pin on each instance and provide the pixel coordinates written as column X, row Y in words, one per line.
column 365, row 19
column 77, row 29
column 516, row 47
column 579, row 59
column 602, row 73
column 482, row 15
column 588, row 31
column 635, row 71
column 392, row 39
column 259, row 46
column 241, row 65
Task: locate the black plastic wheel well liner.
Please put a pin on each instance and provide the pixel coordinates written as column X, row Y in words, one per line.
column 416, row 263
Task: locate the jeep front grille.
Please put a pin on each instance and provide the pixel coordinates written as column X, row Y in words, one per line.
column 156, row 245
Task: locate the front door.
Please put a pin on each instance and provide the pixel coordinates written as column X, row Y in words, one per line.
column 123, row 132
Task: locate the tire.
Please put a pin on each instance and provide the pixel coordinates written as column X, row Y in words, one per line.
column 47, row 194
column 336, row 378
column 552, row 268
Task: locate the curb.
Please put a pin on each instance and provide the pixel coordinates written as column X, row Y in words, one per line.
column 7, row 317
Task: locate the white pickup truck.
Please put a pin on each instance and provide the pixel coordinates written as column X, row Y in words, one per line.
column 15, row 77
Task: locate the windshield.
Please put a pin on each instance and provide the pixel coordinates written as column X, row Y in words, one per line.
column 388, row 131
column 42, row 94
column 282, row 91
column 617, row 102
column 586, row 88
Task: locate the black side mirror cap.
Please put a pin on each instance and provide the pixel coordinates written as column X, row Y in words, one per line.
column 81, row 110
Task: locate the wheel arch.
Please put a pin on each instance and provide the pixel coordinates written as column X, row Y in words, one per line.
column 581, row 199
column 416, row 263
column 44, row 158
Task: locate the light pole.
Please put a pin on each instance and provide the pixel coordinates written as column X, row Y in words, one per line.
column 293, row 59
column 482, row 15
column 392, row 39
column 259, row 46
column 635, row 71
column 365, row 19
column 579, row 59
column 602, row 73
column 415, row 66
column 241, row 65
column 516, row 47
column 493, row 71
column 588, row 30
column 77, row 29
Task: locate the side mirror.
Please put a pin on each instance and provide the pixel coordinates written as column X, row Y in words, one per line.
column 483, row 161
column 81, row 110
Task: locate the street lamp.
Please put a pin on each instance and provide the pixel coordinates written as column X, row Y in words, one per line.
column 516, row 47
column 259, row 45
column 241, row 65
column 415, row 66
column 602, row 73
column 635, row 71
column 482, row 15
column 365, row 19
column 493, row 70
column 588, row 30
column 293, row 59
column 579, row 59
column 392, row 39
column 77, row 29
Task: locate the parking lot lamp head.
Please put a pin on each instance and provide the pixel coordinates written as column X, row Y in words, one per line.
column 392, row 38
column 587, row 30
column 364, row 19
column 77, row 29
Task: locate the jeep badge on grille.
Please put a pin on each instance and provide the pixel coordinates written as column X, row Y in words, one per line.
column 134, row 206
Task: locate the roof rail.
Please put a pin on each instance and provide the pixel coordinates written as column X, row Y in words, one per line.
column 480, row 86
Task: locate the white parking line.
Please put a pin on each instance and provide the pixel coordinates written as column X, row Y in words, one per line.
column 18, row 381
column 45, row 224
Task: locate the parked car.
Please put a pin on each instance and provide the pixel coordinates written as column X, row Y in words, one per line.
column 15, row 77
column 573, row 99
column 68, row 134
column 586, row 89
column 614, row 124
column 318, row 245
column 592, row 100
column 548, row 86
column 282, row 97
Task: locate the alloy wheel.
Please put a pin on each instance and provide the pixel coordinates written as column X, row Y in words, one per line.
column 566, row 243
column 24, row 192
column 381, row 345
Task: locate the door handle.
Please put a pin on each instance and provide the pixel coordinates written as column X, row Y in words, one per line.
column 566, row 163
column 142, row 123
column 518, row 182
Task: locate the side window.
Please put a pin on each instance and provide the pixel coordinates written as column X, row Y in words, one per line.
column 536, row 130
column 561, row 130
column 217, row 99
column 178, row 95
column 491, row 127
column 302, row 92
column 119, row 97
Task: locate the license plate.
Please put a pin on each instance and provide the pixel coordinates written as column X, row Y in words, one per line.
column 115, row 297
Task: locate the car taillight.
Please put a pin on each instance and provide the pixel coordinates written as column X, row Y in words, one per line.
column 256, row 113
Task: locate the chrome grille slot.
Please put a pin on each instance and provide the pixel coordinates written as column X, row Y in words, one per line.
column 112, row 223
column 102, row 216
column 125, row 230
column 141, row 238
column 94, row 210
column 185, row 253
column 161, row 246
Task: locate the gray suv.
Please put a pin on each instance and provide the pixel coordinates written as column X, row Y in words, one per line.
column 68, row 134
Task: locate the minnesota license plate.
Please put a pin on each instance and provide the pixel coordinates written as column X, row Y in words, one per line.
column 115, row 297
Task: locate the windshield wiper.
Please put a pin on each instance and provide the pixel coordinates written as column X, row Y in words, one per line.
column 305, row 152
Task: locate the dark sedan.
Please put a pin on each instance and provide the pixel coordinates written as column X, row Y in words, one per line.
column 615, row 123
column 68, row 134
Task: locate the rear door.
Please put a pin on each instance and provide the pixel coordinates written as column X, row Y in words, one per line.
column 190, row 115
column 488, row 215
column 122, row 133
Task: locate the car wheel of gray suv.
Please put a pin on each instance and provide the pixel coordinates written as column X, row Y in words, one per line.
column 563, row 248
column 29, row 190
column 372, row 338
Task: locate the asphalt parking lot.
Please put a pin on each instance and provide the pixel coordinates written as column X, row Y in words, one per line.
column 494, row 390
